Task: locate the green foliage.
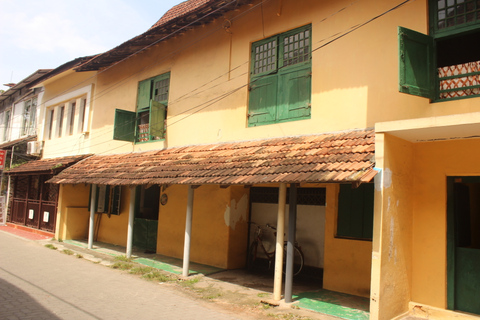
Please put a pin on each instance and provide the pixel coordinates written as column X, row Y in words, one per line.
column 50, row 246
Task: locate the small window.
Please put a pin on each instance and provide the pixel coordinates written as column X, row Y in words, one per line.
column 148, row 122
column 61, row 113
column 107, row 199
column 355, row 211
column 280, row 78
column 29, row 116
column 49, row 123
column 82, row 114
column 71, row 117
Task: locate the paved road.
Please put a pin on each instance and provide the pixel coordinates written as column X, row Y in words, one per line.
column 40, row 283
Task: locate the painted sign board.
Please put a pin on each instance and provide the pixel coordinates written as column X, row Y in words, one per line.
column 3, row 155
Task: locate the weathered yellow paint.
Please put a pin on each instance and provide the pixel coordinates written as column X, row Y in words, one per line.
column 216, row 240
column 113, row 228
column 72, row 212
column 392, row 248
column 347, row 261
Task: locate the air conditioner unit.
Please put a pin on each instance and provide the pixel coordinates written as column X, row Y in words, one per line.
column 34, row 148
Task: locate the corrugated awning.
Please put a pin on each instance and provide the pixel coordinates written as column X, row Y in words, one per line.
column 339, row 157
column 45, row 166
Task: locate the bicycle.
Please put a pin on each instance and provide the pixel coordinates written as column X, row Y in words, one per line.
column 253, row 259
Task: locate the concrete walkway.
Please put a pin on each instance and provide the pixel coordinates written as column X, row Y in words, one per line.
column 38, row 283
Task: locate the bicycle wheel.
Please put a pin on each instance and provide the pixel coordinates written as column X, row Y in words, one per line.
column 298, row 260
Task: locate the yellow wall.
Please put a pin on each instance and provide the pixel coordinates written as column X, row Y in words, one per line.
column 113, row 228
column 347, row 263
column 434, row 161
column 392, row 247
column 72, row 212
column 207, row 62
column 219, row 225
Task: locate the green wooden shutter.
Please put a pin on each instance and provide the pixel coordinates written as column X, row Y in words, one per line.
column 157, row 120
column 417, row 66
column 262, row 100
column 294, row 95
column 124, row 125
column 144, row 95
column 355, row 211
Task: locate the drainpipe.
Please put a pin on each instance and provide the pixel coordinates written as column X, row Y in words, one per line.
column 277, row 282
column 292, row 226
column 91, row 225
column 188, row 231
column 131, row 216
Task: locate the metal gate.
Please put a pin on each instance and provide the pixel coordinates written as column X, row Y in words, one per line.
column 34, row 202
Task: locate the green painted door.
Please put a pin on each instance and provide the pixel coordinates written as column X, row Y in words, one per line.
column 464, row 244
column 146, row 217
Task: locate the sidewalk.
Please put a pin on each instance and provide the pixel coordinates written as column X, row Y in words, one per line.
column 235, row 289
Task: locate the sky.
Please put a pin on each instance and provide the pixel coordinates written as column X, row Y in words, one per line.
column 44, row 34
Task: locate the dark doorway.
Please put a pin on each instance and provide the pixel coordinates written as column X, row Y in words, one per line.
column 464, row 244
column 146, row 217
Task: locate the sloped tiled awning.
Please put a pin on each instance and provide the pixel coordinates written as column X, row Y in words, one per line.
column 45, row 166
column 339, row 157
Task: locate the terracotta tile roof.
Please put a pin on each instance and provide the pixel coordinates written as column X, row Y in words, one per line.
column 18, row 141
column 46, row 166
column 180, row 10
column 339, row 157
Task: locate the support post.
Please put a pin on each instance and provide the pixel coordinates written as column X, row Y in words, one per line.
column 188, row 232
column 91, row 224
column 277, row 283
column 292, row 229
column 131, row 216
column 7, row 201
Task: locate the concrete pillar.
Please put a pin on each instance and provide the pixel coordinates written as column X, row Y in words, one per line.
column 131, row 217
column 277, row 283
column 91, row 224
column 292, row 228
column 188, row 232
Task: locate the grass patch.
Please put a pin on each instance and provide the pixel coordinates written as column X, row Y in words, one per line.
column 120, row 265
column 68, row 252
column 141, row 270
column 123, row 258
column 263, row 295
column 189, row 282
column 50, row 246
column 79, row 256
column 157, row 276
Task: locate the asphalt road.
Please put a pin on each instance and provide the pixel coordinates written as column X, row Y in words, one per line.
column 40, row 283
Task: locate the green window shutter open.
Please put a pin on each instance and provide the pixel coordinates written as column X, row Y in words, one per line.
column 124, row 125
column 294, row 98
column 262, row 100
column 157, row 120
column 416, row 64
column 144, row 95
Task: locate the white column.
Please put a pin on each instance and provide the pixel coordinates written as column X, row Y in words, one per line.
column 277, row 283
column 91, row 225
column 131, row 216
column 188, row 231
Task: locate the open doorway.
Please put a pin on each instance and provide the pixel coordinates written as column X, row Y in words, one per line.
column 463, row 244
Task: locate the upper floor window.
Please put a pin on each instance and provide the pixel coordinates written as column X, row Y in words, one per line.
column 280, row 78
column 147, row 123
column 69, row 118
column 6, row 124
column 446, row 63
column 29, row 116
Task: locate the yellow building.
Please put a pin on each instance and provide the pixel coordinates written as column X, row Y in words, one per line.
column 220, row 105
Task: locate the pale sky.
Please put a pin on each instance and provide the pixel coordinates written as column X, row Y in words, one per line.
column 44, row 34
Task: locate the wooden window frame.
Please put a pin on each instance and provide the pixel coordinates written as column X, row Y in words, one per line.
column 418, row 55
column 151, row 112
column 281, row 91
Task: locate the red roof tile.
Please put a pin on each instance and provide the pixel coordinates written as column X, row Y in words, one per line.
column 337, row 157
column 46, row 166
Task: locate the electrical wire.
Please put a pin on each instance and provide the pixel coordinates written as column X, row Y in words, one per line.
column 214, row 100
